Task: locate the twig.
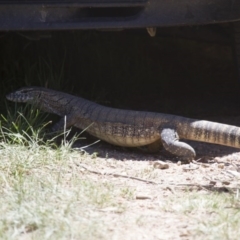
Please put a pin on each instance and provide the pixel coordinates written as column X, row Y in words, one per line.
column 115, row 174
column 144, row 180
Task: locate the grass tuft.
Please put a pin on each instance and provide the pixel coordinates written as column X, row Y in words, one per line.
column 43, row 194
column 23, row 125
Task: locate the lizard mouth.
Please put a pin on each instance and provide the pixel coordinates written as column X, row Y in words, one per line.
column 16, row 97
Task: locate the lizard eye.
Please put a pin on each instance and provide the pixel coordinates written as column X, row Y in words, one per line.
column 24, row 91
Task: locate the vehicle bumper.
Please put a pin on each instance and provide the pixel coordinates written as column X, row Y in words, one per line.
column 89, row 15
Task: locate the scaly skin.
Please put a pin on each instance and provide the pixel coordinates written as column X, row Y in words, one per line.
column 128, row 128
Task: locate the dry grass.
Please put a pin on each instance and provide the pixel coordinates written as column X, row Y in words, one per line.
column 46, row 195
column 43, row 195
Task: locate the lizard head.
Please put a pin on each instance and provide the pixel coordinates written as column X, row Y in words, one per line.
column 25, row 95
column 43, row 98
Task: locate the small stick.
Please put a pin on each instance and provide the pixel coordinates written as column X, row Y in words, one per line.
column 115, row 174
column 205, row 187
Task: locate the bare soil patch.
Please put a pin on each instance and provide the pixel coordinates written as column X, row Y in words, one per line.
column 173, row 203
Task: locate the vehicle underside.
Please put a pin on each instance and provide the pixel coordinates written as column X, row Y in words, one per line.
column 113, row 14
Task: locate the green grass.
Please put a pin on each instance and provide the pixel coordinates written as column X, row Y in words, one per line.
column 43, row 193
column 23, row 125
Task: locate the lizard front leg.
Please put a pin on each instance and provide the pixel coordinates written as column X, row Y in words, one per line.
column 171, row 143
column 67, row 121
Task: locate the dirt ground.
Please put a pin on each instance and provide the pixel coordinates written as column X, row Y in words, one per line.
column 161, row 185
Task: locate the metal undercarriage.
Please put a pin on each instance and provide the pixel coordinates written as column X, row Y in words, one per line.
column 113, row 14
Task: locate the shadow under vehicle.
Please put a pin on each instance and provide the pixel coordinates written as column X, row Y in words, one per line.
column 25, row 15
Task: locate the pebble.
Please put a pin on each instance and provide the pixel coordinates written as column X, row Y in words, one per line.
column 160, row 165
column 221, row 165
column 225, row 183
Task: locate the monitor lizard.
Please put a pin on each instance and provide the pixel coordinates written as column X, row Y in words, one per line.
column 126, row 127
